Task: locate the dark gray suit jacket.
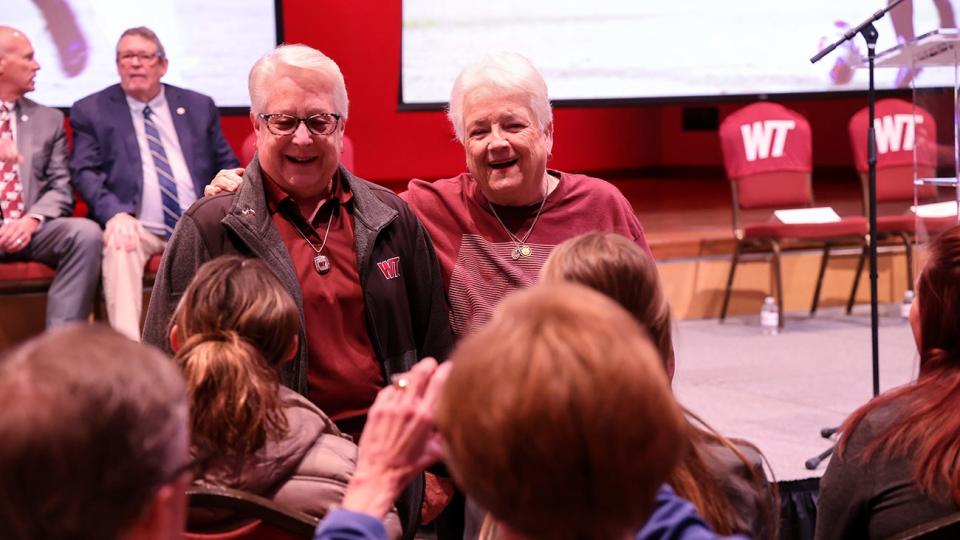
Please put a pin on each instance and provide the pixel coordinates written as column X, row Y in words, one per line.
column 44, row 174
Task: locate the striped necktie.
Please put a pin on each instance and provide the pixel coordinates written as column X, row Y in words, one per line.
column 168, row 186
column 11, row 200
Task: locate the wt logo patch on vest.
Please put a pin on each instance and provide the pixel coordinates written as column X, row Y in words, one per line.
column 390, row 268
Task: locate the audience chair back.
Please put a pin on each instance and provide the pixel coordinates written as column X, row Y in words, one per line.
column 947, row 528
column 261, row 518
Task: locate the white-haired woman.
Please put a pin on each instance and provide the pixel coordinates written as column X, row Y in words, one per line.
column 494, row 225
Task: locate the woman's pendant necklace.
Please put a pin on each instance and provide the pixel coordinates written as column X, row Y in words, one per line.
column 521, row 251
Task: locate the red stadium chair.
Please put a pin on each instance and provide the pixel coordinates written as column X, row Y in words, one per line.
column 768, row 158
column 904, row 132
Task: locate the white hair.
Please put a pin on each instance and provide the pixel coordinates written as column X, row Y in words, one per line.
column 508, row 72
column 296, row 56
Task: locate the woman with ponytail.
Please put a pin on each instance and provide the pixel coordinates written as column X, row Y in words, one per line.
column 233, row 330
column 897, row 464
column 724, row 479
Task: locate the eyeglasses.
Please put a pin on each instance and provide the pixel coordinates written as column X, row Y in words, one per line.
column 128, row 58
column 284, row 124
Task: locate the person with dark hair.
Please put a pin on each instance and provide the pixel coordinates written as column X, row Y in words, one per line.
column 95, row 443
column 575, row 397
column 896, row 463
column 723, row 478
column 142, row 152
column 235, row 327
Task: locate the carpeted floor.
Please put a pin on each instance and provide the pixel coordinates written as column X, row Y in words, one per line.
column 778, row 391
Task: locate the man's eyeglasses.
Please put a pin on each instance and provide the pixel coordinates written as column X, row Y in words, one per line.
column 144, row 58
column 285, row 124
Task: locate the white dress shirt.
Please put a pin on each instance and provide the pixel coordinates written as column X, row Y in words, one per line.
column 151, row 205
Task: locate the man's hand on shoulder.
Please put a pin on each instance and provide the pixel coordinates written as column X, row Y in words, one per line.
column 16, row 235
column 123, row 231
column 226, row 180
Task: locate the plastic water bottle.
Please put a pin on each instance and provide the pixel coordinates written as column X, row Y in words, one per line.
column 769, row 317
column 907, row 303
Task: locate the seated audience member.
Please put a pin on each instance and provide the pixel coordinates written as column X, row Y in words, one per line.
column 896, row 462
column 142, row 152
column 235, row 327
column 508, row 210
column 35, row 196
column 358, row 264
column 728, row 488
column 95, row 442
column 573, row 394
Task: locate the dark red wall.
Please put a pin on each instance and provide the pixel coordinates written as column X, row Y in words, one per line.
column 364, row 39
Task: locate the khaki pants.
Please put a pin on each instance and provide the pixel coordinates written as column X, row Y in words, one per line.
column 123, row 282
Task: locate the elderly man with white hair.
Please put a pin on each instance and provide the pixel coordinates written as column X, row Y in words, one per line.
column 495, row 225
column 352, row 254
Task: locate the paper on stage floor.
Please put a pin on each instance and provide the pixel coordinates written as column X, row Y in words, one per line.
column 936, row 210
column 822, row 214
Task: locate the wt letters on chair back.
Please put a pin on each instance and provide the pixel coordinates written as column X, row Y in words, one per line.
column 904, row 132
column 906, row 148
column 767, row 152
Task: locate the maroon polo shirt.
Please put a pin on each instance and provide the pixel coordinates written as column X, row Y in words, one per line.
column 344, row 375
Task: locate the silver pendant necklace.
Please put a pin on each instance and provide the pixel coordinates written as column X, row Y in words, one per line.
column 521, row 250
column 321, row 263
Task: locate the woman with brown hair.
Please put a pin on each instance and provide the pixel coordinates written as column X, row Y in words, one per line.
column 233, row 330
column 556, row 415
column 896, row 464
column 723, row 478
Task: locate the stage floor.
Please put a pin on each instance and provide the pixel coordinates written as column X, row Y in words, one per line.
column 779, row 391
column 691, row 215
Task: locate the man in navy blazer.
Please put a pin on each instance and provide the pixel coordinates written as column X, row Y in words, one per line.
column 142, row 153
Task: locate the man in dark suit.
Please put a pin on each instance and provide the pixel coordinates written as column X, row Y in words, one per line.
column 142, row 152
column 35, row 195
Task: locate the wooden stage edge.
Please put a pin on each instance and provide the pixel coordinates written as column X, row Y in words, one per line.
column 687, row 219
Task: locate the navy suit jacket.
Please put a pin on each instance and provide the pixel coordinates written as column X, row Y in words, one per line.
column 105, row 164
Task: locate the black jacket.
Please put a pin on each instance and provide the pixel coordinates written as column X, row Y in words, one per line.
column 407, row 317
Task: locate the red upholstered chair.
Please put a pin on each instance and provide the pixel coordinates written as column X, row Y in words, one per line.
column 249, row 148
column 260, row 518
column 904, row 132
column 24, row 278
column 17, row 278
column 768, row 157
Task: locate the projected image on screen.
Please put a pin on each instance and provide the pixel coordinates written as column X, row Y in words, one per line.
column 211, row 44
column 626, row 49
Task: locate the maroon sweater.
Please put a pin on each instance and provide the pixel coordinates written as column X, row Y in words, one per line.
column 475, row 251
